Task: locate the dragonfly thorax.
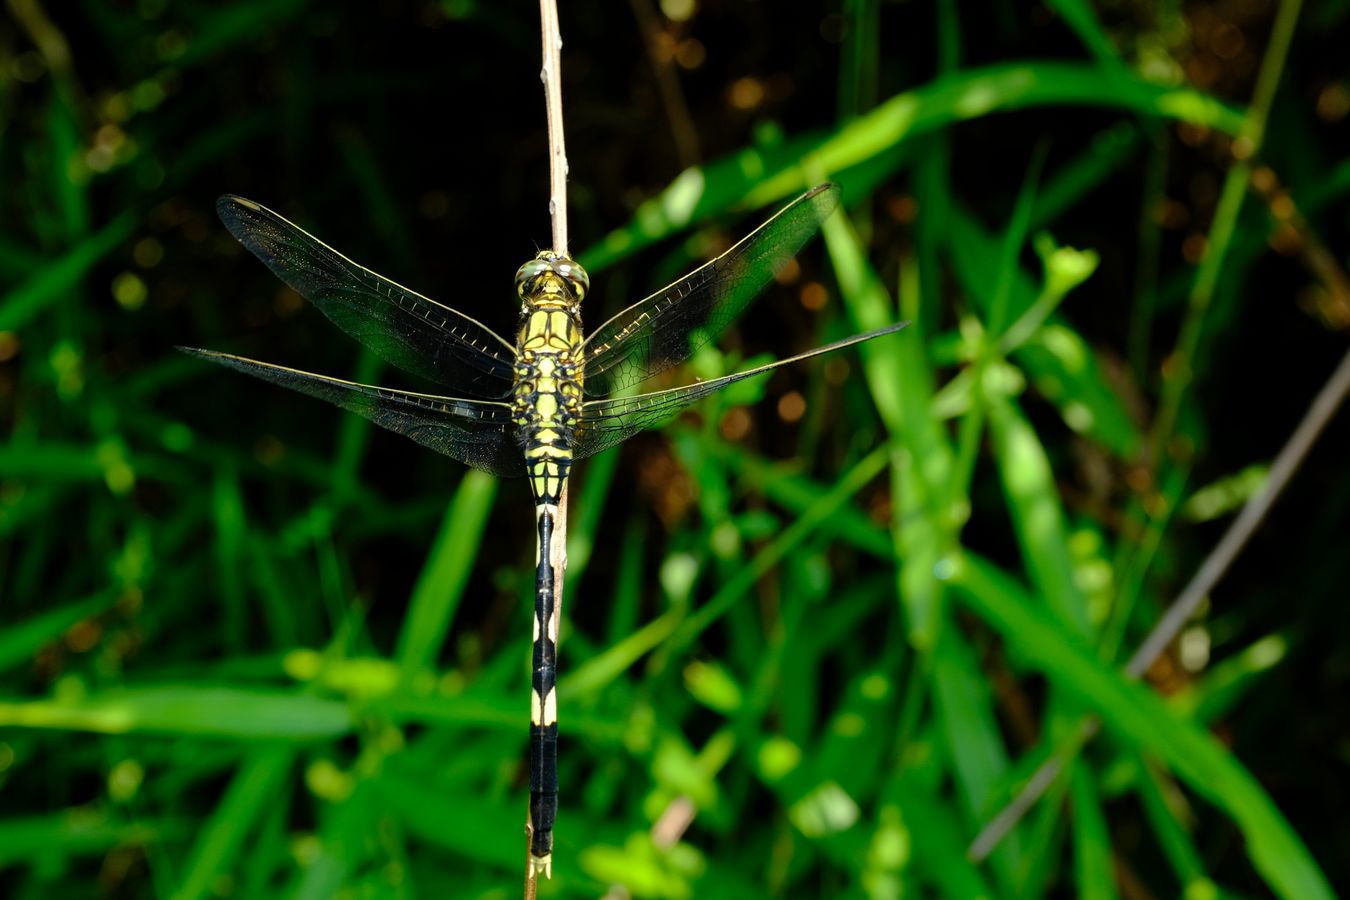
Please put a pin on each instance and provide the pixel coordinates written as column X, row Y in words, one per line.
column 546, row 399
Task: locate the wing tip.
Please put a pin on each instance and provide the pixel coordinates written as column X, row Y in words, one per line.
column 227, row 202
column 825, row 194
column 212, row 356
column 873, row 334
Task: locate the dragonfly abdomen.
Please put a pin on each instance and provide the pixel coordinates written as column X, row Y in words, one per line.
column 544, row 700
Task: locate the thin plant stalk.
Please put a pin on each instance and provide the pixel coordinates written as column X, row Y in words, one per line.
column 550, row 75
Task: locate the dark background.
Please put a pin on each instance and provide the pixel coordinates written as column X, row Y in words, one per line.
column 201, row 529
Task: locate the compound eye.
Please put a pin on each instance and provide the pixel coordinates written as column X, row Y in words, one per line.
column 576, row 277
column 528, row 273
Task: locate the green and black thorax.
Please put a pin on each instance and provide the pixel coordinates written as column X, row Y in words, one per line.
column 546, row 398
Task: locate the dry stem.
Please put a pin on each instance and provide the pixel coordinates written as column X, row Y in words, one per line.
column 550, row 75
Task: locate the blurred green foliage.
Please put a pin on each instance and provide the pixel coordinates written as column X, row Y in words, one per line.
column 818, row 634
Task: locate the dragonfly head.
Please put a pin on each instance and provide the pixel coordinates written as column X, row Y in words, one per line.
column 550, row 280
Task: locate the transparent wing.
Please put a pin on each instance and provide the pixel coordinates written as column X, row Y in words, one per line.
column 477, row 433
column 605, row 423
column 413, row 332
column 669, row 326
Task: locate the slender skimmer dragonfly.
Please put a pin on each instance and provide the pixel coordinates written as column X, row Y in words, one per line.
column 546, row 399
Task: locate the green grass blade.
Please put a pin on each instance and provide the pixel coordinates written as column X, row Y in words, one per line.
column 51, row 839
column 441, row 585
column 1140, row 717
column 901, row 382
column 231, row 530
column 979, row 761
column 1006, row 87
column 1037, row 516
column 466, row 824
column 939, row 850
column 344, row 843
column 1091, row 839
column 1169, row 831
column 218, row 844
column 245, row 714
column 1083, row 20
column 796, row 493
column 53, row 282
column 220, row 28
column 761, row 176
column 19, row 642
column 735, row 587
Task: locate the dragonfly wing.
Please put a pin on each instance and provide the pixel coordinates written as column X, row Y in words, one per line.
column 605, row 423
column 413, row 332
column 669, row 326
column 477, row 433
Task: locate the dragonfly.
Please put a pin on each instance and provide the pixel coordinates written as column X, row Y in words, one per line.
column 539, row 403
